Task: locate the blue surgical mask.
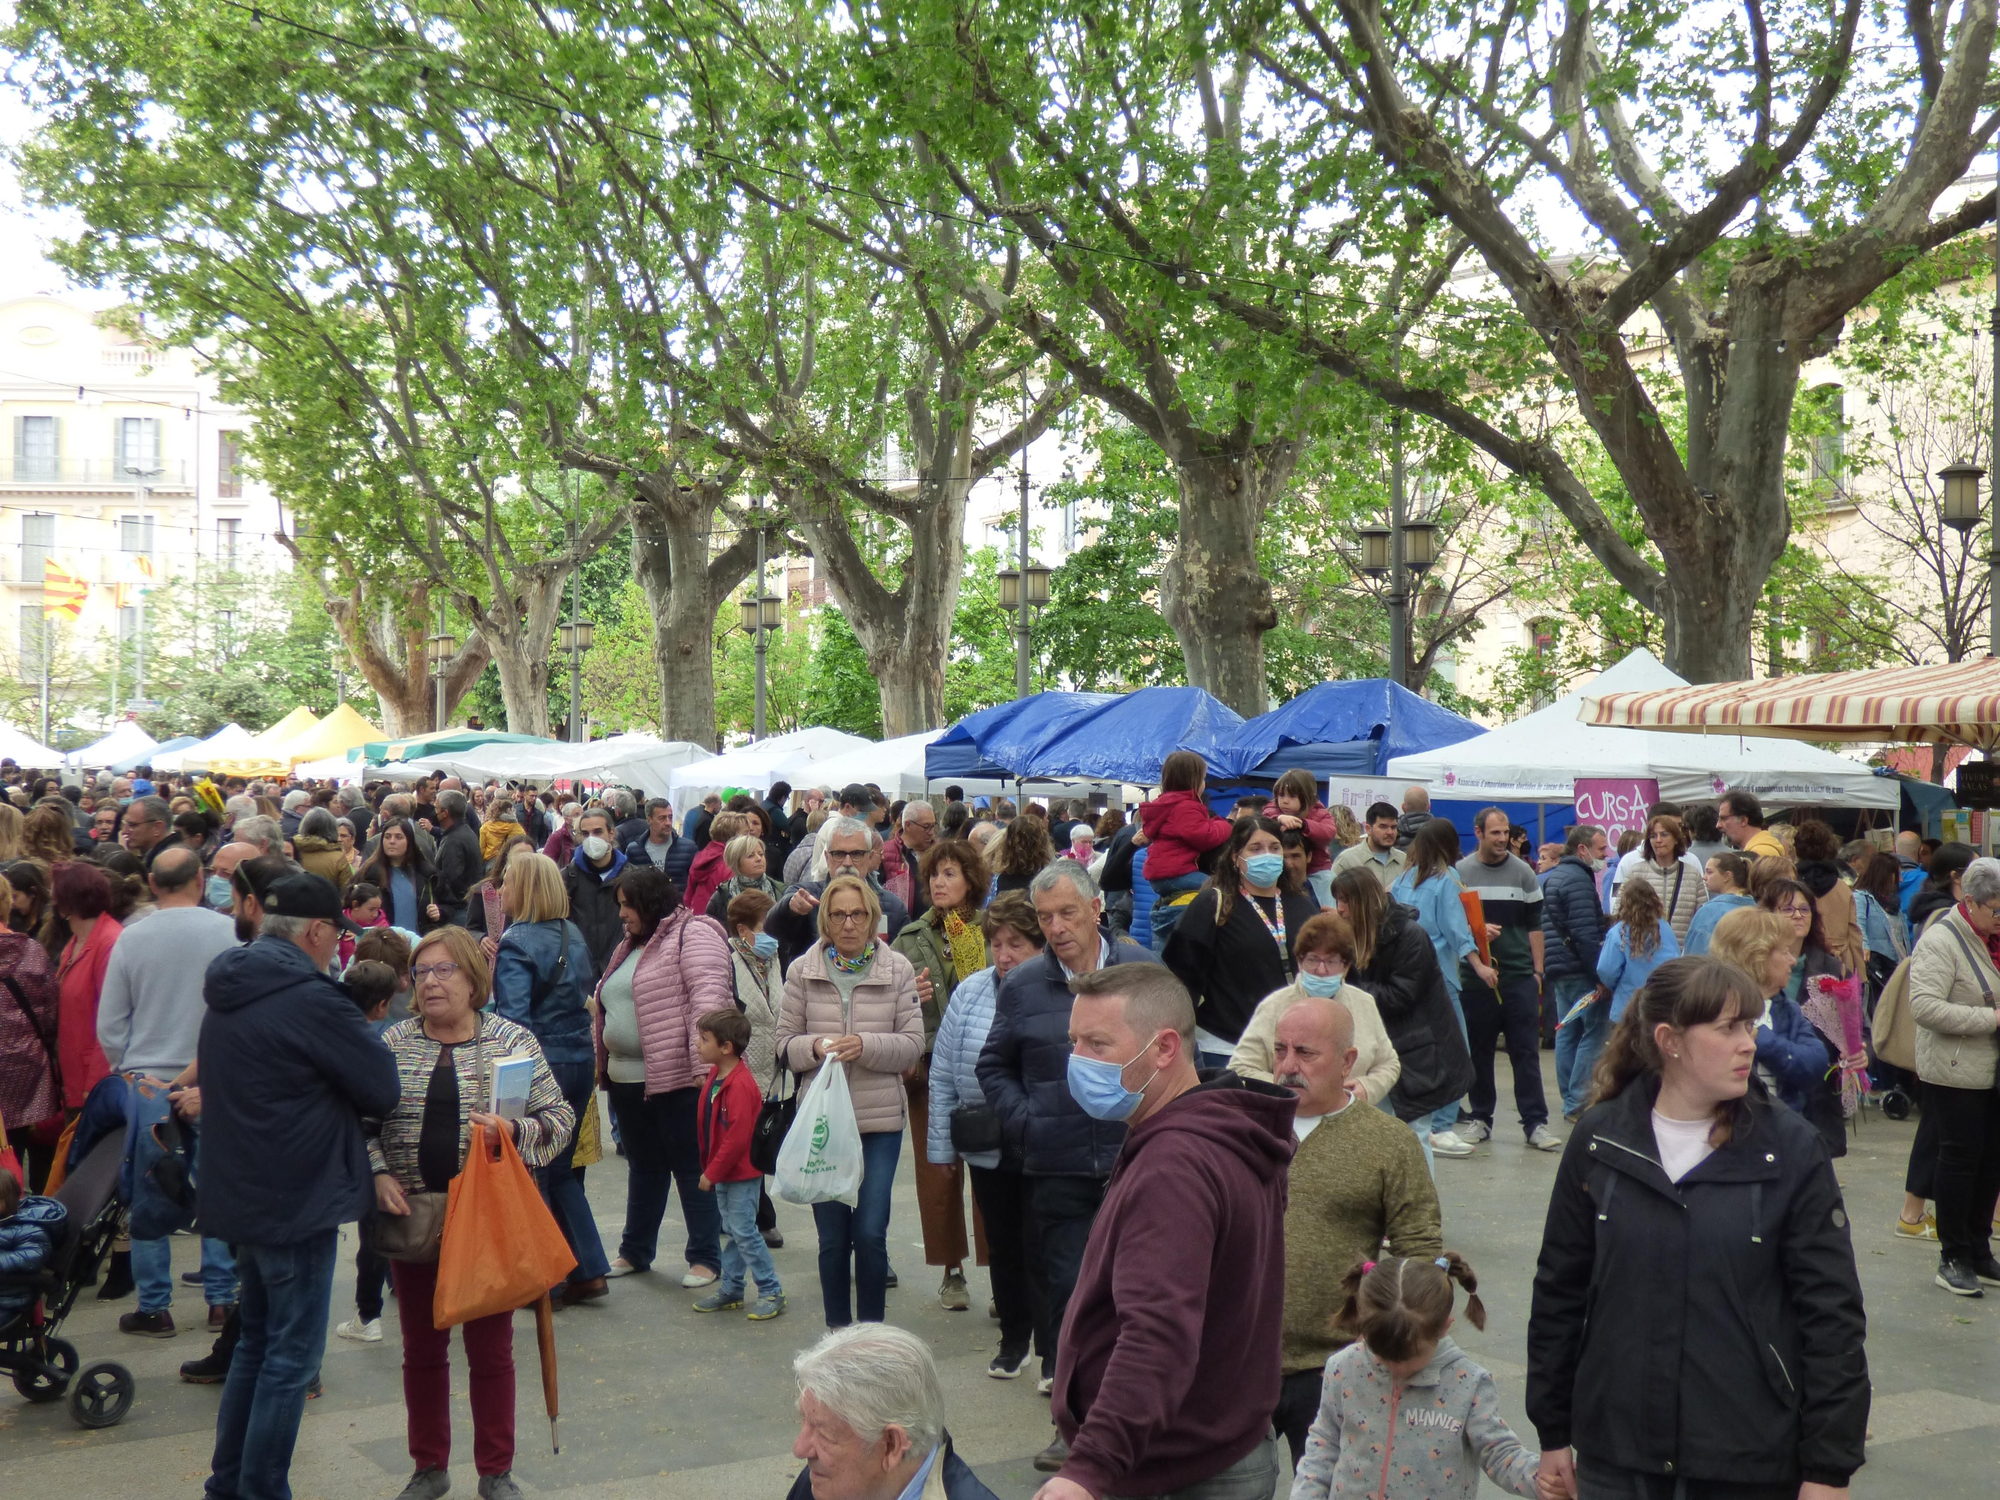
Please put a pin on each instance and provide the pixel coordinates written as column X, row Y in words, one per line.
column 218, row 893
column 1263, row 869
column 1099, row 1086
column 764, row 945
column 1322, row 986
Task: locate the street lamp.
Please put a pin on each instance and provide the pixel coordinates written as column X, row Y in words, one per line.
column 761, row 615
column 442, row 647
column 1394, row 552
column 1023, row 590
column 575, row 636
column 1961, row 513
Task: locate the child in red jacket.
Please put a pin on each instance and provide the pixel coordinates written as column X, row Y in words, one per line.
column 725, row 1118
column 1295, row 804
column 1178, row 829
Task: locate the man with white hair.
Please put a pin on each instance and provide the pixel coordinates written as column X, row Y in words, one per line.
column 292, row 809
column 262, row 832
column 852, row 848
column 871, row 1421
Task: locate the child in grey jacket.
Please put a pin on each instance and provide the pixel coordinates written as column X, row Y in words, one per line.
column 1404, row 1414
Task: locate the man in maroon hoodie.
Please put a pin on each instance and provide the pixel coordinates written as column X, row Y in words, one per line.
column 1167, row 1370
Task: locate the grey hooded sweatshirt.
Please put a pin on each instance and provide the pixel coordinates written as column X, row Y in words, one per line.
column 1425, row 1438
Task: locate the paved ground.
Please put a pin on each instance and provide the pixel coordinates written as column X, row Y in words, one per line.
column 664, row 1402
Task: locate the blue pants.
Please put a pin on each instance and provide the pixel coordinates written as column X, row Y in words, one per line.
column 1164, row 914
column 153, row 1272
column 1580, row 1042
column 743, row 1247
column 1447, row 1118
column 287, row 1290
column 1421, row 1127
column 661, row 1153
column 578, row 1081
column 861, row 1231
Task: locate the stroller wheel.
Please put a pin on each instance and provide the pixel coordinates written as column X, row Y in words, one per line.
column 101, row 1395
column 1896, row 1104
column 50, row 1381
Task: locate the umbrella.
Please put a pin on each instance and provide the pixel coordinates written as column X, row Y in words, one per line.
column 545, row 1340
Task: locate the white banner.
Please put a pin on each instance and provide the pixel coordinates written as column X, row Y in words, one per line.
column 1358, row 793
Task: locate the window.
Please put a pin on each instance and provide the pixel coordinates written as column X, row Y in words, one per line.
column 38, row 539
column 138, row 447
column 226, row 532
column 228, row 457
column 30, row 651
column 135, row 534
column 1542, row 637
column 35, row 451
column 1826, row 411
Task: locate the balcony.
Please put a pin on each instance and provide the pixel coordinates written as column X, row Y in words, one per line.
column 34, row 471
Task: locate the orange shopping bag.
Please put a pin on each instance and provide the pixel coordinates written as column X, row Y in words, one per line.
column 502, row 1247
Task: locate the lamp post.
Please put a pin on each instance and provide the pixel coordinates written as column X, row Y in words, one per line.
column 1960, row 512
column 1023, row 590
column 575, row 635
column 1397, row 552
column 442, row 648
column 761, row 614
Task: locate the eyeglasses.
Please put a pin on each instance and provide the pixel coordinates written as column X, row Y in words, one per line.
column 846, row 918
column 426, row 971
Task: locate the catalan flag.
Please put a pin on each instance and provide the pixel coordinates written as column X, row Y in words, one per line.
column 63, row 592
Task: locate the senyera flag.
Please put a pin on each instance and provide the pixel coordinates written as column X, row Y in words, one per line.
column 63, row 592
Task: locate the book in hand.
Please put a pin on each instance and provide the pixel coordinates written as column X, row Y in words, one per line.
column 512, row 1078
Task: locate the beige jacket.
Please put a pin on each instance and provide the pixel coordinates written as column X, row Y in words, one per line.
column 1953, row 990
column 885, row 1014
column 1376, row 1069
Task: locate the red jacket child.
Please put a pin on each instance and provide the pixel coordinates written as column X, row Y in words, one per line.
column 723, row 1125
column 1179, row 830
column 1318, row 831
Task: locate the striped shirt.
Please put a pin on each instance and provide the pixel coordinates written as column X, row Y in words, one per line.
column 1512, row 900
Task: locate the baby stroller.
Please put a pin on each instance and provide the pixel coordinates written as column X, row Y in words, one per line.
column 44, row 1366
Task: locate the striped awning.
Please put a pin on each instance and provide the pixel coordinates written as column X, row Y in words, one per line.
column 1957, row 702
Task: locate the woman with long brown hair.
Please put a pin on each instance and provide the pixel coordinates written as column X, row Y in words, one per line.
column 1025, row 849
column 1670, row 873
column 1708, row 1217
column 47, row 835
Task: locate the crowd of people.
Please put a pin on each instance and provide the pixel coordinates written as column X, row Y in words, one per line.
column 1151, row 1047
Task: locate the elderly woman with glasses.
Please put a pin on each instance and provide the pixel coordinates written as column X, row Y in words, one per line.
column 444, row 1056
column 851, row 1001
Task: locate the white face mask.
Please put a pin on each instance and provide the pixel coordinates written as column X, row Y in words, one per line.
column 595, row 848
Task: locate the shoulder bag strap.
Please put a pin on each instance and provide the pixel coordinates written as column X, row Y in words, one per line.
column 1680, row 874
column 1973, row 958
column 47, row 1039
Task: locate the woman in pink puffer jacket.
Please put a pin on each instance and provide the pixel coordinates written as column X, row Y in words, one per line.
column 852, row 999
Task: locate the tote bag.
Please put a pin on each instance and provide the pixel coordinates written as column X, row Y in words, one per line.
column 820, row 1161
column 502, row 1247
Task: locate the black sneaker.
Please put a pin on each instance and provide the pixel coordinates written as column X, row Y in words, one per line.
column 1051, row 1459
column 191, row 1278
column 1987, row 1269
column 148, row 1325
column 1956, row 1277
column 1007, row 1366
column 211, row 1369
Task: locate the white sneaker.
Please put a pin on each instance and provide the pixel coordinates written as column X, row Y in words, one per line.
column 361, row 1330
column 1544, row 1139
column 1474, row 1131
column 1446, row 1143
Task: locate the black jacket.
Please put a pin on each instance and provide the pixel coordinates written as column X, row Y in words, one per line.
column 1117, row 872
column 1573, row 920
column 679, row 856
column 1230, row 969
column 593, row 904
column 960, row 1483
column 1408, row 989
column 288, row 1068
column 1926, row 899
column 795, row 933
column 1730, row 1341
column 1024, row 1073
column 459, row 868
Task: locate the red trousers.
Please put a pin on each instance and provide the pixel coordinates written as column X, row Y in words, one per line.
column 489, row 1350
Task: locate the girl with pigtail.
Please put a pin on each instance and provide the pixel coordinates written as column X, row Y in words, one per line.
column 1404, row 1414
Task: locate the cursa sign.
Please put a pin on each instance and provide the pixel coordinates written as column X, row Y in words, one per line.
column 1615, row 803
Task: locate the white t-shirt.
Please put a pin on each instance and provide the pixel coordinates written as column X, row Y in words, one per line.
column 1683, row 1144
column 1305, row 1125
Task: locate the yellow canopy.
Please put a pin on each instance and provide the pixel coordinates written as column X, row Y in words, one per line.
column 263, row 755
column 336, row 734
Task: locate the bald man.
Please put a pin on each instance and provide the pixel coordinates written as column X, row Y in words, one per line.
column 1357, row 1179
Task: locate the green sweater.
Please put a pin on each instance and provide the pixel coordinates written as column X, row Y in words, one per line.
column 1357, row 1180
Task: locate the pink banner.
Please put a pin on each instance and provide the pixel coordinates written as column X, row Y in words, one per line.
column 1615, row 803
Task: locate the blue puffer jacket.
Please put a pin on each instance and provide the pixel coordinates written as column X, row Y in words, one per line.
column 679, row 857
column 1573, row 923
column 1791, row 1051
column 25, row 1242
column 535, row 985
column 961, row 1035
column 1024, row 1073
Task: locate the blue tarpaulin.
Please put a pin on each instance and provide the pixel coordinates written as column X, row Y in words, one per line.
column 1320, row 729
column 991, row 744
column 1128, row 738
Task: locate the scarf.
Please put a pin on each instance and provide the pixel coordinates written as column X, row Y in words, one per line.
column 852, row 965
column 759, row 970
column 967, row 944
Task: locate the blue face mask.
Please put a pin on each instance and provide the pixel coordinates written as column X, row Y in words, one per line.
column 1263, row 869
column 1099, row 1087
column 1323, row 986
column 764, row 945
column 218, row 893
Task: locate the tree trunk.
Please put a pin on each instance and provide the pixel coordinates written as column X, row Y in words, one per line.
column 389, row 644
column 1213, row 593
column 685, row 582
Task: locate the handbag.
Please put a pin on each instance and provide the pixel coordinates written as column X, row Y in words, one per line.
column 975, row 1128
column 416, row 1236
column 774, row 1119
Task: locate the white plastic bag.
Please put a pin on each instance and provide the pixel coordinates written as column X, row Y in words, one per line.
column 820, row 1161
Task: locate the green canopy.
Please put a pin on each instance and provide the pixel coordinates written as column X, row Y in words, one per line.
column 441, row 742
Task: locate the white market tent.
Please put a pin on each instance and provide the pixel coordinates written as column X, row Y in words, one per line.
column 792, row 757
column 896, row 766
column 638, row 760
column 125, row 742
column 24, row 750
column 1540, row 757
column 227, row 741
